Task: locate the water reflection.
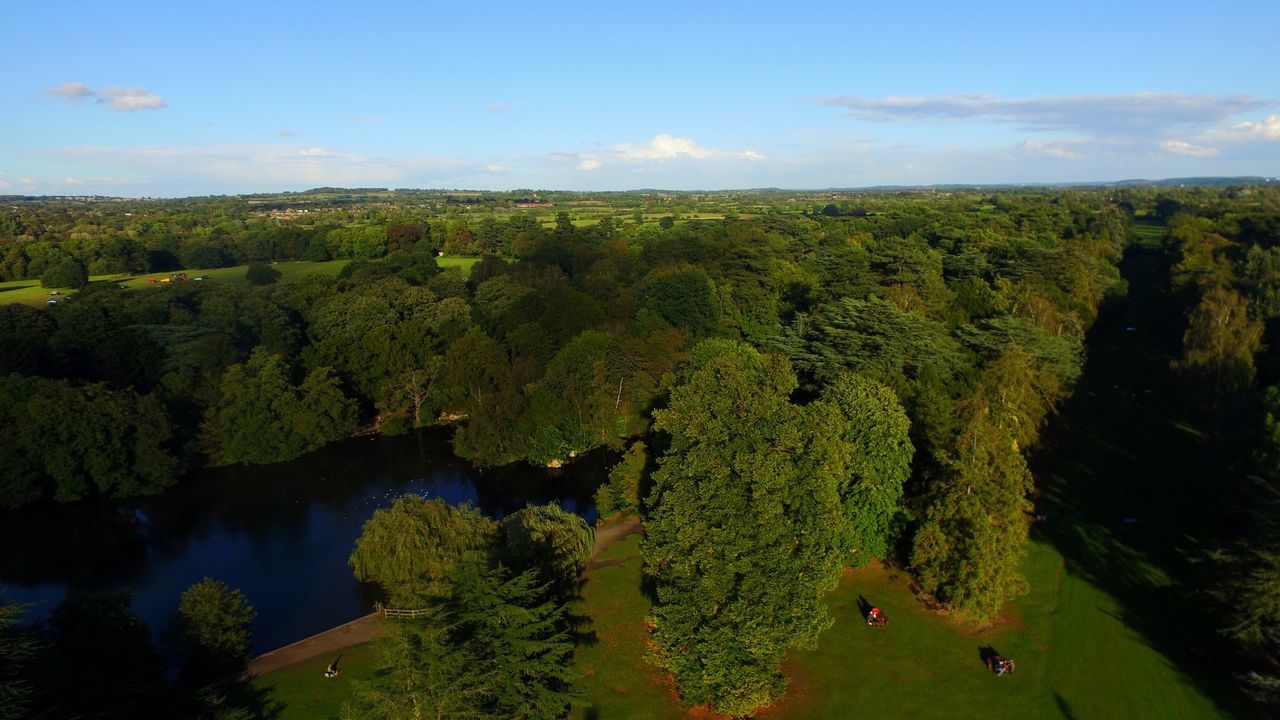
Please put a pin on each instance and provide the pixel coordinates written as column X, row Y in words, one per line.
column 280, row 533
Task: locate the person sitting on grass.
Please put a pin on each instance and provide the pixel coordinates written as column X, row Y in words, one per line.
column 1000, row 665
column 875, row 617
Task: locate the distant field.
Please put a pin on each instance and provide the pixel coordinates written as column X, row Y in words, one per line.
column 31, row 293
column 465, row 263
column 1150, row 234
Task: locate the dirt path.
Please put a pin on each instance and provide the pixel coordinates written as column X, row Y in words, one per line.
column 355, row 632
column 610, row 534
column 370, row 626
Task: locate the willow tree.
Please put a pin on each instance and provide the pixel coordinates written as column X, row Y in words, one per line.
column 549, row 541
column 410, row 547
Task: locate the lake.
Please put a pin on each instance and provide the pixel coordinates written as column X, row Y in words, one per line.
column 279, row 533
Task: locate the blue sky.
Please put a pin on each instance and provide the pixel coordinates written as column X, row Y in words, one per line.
column 173, row 98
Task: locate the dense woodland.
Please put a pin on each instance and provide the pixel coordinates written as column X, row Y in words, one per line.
column 1224, row 250
column 795, row 387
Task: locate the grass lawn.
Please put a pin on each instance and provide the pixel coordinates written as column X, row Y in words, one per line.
column 614, row 678
column 304, row 693
column 1075, row 658
column 464, row 263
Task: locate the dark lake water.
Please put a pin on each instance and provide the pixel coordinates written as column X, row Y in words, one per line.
column 280, row 533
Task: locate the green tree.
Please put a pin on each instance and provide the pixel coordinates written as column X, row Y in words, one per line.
column 92, row 633
column 64, row 274
column 516, row 641
column 262, row 417
column 684, row 297
column 973, row 533
column 261, row 273
column 210, row 631
column 411, row 546
column 553, row 543
column 622, row 491
column 494, row 648
column 1218, row 346
column 742, row 541
column 871, row 451
column 73, row 442
column 420, row 676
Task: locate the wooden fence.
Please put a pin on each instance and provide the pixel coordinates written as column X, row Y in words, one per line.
column 401, row 613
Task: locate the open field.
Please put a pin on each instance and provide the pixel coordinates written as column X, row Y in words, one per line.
column 304, row 693
column 30, row 291
column 609, row 621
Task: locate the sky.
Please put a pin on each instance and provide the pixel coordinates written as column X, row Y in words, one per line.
column 170, row 99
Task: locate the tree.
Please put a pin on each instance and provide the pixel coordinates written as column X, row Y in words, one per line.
column 65, row 273
column 261, row 417
column 492, row 648
column 516, row 641
column 102, row 661
column 622, row 491
column 1218, row 345
column 744, row 536
column 684, row 297
column 549, row 541
column 261, row 273
column 410, row 547
column 413, row 387
column 73, row 442
column 421, row 676
column 210, row 631
column 872, row 453
column 973, row 533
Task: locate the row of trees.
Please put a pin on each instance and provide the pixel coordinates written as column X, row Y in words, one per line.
column 1224, row 250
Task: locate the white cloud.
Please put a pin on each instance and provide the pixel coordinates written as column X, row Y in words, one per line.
column 1266, row 129
column 1184, row 148
column 1097, row 115
column 1063, row 150
column 73, row 181
column 662, row 148
column 130, row 99
column 667, row 147
column 73, row 90
column 118, row 98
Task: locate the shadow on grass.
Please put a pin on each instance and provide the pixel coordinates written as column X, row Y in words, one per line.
column 1120, row 481
column 986, row 654
column 581, row 629
column 1064, row 707
column 864, row 606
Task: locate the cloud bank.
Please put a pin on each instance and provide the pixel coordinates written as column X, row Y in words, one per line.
column 1101, row 115
column 117, row 98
